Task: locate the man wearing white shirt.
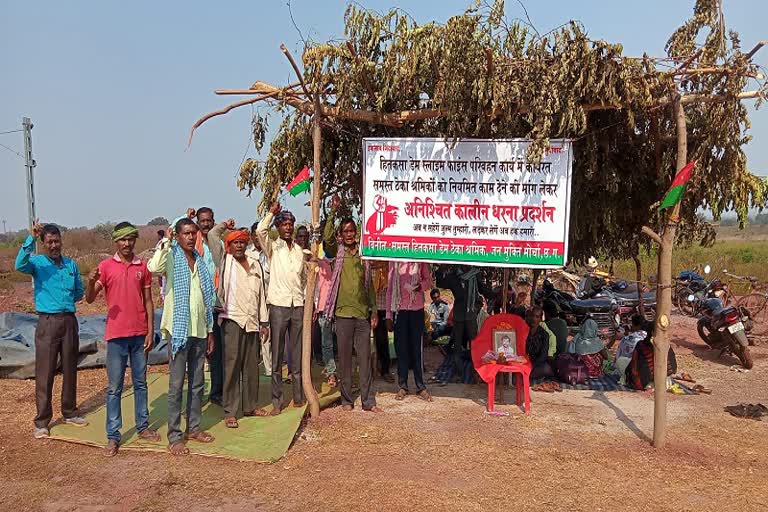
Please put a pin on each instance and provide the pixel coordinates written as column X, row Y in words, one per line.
column 285, row 298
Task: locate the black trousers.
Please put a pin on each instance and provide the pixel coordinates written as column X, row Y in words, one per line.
column 56, row 335
column 284, row 320
column 409, row 331
column 355, row 333
column 215, row 363
column 381, row 337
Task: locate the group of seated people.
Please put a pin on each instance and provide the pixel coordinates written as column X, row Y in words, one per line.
column 548, row 347
column 549, row 343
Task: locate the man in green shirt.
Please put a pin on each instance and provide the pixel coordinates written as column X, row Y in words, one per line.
column 350, row 303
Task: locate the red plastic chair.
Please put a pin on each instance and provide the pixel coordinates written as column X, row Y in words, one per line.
column 522, row 371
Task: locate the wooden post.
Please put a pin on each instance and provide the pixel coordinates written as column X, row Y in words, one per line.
column 664, row 292
column 504, row 290
column 309, row 297
column 638, row 278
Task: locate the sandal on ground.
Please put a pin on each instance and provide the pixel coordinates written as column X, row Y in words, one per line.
column 701, row 389
column 178, row 448
column 200, row 436
column 260, row 413
column 424, row 395
column 332, row 381
column 231, row 422
column 149, row 435
column 401, row 393
column 111, row 449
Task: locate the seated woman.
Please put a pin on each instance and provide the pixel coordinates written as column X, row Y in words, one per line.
column 639, row 372
column 537, row 345
column 589, row 348
column 627, row 345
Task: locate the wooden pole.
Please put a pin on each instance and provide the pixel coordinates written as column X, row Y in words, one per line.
column 664, row 291
column 638, row 278
column 504, row 290
column 309, row 302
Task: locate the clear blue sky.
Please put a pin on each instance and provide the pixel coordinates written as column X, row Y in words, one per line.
column 113, row 88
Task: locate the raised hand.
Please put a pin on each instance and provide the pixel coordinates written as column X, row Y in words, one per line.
column 94, row 275
column 275, row 208
column 37, row 229
column 336, row 202
column 191, row 213
column 230, row 223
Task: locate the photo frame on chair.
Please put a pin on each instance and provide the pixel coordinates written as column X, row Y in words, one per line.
column 505, row 342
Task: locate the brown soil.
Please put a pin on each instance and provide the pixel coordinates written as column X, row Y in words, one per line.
column 578, row 450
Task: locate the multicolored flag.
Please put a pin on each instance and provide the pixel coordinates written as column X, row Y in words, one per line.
column 300, row 183
column 678, row 186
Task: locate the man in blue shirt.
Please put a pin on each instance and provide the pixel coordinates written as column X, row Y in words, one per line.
column 57, row 287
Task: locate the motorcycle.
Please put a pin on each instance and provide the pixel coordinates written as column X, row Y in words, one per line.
column 625, row 295
column 604, row 310
column 701, row 291
column 721, row 328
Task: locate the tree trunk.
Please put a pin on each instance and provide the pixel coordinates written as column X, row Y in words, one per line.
column 638, row 278
column 664, row 295
column 309, row 302
column 536, row 274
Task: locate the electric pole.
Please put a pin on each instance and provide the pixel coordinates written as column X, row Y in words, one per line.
column 29, row 164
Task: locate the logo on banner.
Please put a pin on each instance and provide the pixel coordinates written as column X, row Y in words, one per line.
column 384, row 217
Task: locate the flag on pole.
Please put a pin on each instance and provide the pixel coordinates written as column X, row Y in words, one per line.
column 678, row 186
column 300, row 183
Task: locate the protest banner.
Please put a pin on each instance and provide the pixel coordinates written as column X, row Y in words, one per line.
column 479, row 202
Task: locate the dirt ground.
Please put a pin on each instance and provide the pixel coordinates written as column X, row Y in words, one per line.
column 578, row 450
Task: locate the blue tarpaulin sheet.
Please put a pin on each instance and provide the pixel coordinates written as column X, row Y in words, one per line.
column 17, row 344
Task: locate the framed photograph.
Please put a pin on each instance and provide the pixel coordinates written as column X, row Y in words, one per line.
column 505, row 342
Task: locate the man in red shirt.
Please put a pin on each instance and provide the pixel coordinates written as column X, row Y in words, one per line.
column 130, row 330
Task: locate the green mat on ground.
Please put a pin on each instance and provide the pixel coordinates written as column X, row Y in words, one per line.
column 257, row 439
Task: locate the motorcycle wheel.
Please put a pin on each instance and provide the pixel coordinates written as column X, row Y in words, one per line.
column 687, row 308
column 744, row 356
column 705, row 331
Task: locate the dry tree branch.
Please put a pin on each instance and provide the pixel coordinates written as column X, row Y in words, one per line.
column 285, row 51
column 224, row 111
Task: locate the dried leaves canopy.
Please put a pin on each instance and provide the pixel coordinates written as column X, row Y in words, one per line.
column 489, row 78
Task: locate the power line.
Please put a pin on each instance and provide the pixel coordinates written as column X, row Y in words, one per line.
column 10, row 131
column 12, row 151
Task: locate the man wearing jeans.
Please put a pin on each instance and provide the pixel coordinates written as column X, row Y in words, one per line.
column 127, row 284
column 57, row 288
column 326, row 326
column 188, row 323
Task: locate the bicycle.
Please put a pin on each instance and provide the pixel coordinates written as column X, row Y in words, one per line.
column 756, row 302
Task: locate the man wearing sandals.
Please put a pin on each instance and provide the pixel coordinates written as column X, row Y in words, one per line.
column 188, row 323
column 242, row 295
column 57, row 287
column 405, row 304
column 352, row 306
column 129, row 334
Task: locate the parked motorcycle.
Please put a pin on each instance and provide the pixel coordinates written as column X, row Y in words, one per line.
column 624, row 294
column 722, row 328
column 604, row 310
column 714, row 289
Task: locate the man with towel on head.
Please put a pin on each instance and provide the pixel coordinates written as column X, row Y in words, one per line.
column 188, row 322
column 130, row 330
column 243, row 319
column 285, row 298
